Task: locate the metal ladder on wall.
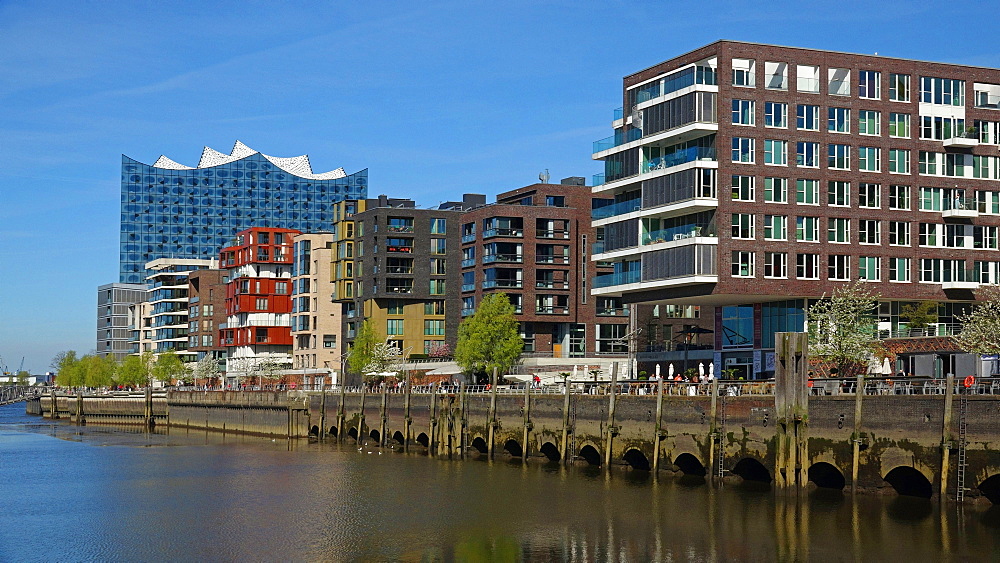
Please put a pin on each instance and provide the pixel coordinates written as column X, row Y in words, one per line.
column 720, row 464
column 963, row 425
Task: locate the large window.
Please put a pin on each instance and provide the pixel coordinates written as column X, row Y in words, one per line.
column 775, row 227
column 775, row 265
column 839, row 267
column 839, row 157
column 899, row 125
column 838, row 230
column 869, row 231
column 433, row 328
column 839, row 81
column 869, row 195
column 743, row 150
column 807, row 154
column 439, row 246
column 869, row 122
column 869, row 84
column 743, row 225
column 838, row 120
column 807, row 78
column 870, row 268
column 899, row 233
column 775, row 190
column 439, row 226
column 807, row 229
column 869, row 159
column 743, row 72
column 775, row 152
column 899, row 161
column 899, row 197
column 743, row 264
column 775, row 114
column 743, row 112
column 743, row 188
column 437, row 287
column 807, row 266
column 899, row 269
column 807, row 117
column 839, row 193
column 394, row 327
column 776, row 76
column 942, row 91
column 807, row 192
column 899, row 87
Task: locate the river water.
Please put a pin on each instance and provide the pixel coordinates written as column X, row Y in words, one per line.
column 101, row 493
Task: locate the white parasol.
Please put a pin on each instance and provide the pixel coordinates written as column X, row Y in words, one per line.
column 701, row 369
column 670, row 371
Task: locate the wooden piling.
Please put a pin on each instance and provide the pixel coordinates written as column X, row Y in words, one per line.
column 565, row 429
column 491, row 431
column 658, row 433
column 611, row 431
column 859, row 397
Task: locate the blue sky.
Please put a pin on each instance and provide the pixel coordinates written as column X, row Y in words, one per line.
column 435, row 98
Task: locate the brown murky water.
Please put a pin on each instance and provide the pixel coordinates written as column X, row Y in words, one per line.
column 100, row 493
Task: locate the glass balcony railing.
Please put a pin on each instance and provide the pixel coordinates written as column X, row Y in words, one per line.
column 675, row 233
column 619, row 113
column 551, row 310
column 549, row 284
column 468, row 287
column 548, row 233
column 612, row 311
column 619, row 138
column 501, row 232
column 399, row 229
column 469, row 238
column 597, row 180
column 620, row 208
column 469, row 262
column 677, row 158
column 511, row 284
column 513, row 258
column 618, row 278
column 551, row 259
column 467, row 312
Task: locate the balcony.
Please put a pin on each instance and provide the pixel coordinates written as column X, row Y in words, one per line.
column 505, row 284
column 399, row 229
column 677, row 158
column 674, row 234
column 617, row 278
column 614, row 209
column 959, row 208
column 551, row 310
column 467, row 312
column 469, row 238
column 961, row 279
column 399, row 269
column 612, row 312
column 399, row 249
column 545, row 233
column 618, row 139
column 468, row 263
column 551, row 259
column 468, row 287
column 506, row 258
column 500, row 232
column 967, row 140
column 551, row 284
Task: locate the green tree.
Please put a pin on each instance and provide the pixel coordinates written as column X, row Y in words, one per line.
column 67, row 368
column 98, row 371
column 919, row 315
column 168, row 367
column 362, row 351
column 490, row 338
column 980, row 332
column 843, row 328
column 22, row 377
column 136, row 370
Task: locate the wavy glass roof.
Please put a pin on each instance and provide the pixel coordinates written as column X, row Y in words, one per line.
column 298, row 165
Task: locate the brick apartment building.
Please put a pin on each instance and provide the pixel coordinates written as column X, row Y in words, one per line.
column 751, row 178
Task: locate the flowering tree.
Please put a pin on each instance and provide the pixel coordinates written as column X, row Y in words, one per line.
column 981, row 326
column 843, row 327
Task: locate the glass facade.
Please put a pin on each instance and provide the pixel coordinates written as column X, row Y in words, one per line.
column 193, row 213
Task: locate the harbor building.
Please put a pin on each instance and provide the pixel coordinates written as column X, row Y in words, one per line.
column 113, row 302
column 751, row 178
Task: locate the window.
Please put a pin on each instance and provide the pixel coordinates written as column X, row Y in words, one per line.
column 439, row 226
column 869, row 122
column 743, row 225
column 839, row 193
column 776, row 76
column 437, row 287
column 775, row 227
column 807, row 192
column 869, row 159
column 807, row 266
column 986, row 95
column 807, row 78
column 775, row 190
column 899, row 233
column 439, row 246
column 394, row 307
column 899, row 197
column 839, row 81
column 743, row 150
column 743, row 112
column 807, row 229
column 942, row 91
column 930, row 234
column 899, row 161
column 899, row 269
column 261, row 304
column 940, row 128
column 807, row 117
column 434, row 307
column 743, row 188
column 433, row 346
column 931, row 199
column 807, row 154
column 743, row 72
column 984, row 237
column 775, row 265
column 899, row 87
column 838, row 120
column 329, row 340
column 775, row 152
column 869, row 268
column 394, row 327
column 869, row 84
column 434, row 328
column 869, row 231
column 839, row 267
column 438, row 267
column 869, row 195
column 743, row 264
column 954, row 165
column 899, row 125
column 839, row 157
column 775, row 114
column 838, row 230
